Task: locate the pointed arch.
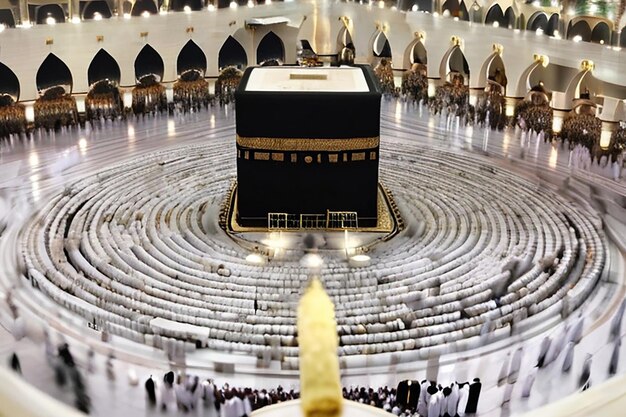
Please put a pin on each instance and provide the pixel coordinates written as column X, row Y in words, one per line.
column 380, row 45
column 149, row 62
column 141, row 6
column 495, row 14
column 553, row 24
column 415, row 53
column 232, row 54
column 451, row 6
column 344, row 39
column 179, row 5
column 601, row 33
column 510, row 18
column 49, row 10
column 537, row 21
column 97, row 6
column 103, row 67
column 463, row 13
column 493, row 70
column 191, row 57
column 457, row 62
column 581, row 28
column 270, row 47
column 9, row 83
column 7, row 18
column 52, row 73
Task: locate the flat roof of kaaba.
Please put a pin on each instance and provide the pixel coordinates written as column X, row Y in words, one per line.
column 307, row 79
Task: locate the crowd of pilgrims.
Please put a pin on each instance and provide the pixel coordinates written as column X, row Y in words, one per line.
column 581, row 129
column 410, row 398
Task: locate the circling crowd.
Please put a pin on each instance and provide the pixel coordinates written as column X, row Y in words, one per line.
column 12, row 116
column 191, row 91
column 55, row 109
column 453, row 97
column 104, row 101
column 149, row 96
column 384, row 73
column 415, row 83
column 226, row 84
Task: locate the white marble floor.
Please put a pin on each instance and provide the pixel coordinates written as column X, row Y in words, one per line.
column 32, row 169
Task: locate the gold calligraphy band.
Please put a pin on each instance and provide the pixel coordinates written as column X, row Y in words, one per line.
column 302, row 144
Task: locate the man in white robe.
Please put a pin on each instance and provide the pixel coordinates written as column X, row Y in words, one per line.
column 453, row 400
column 516, row 363
column 569, row 357
column 463, row 397
column 528, row 384
column 422, row 406
column 434, row 403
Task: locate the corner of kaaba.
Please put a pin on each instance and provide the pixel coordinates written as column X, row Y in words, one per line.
column 307, row 148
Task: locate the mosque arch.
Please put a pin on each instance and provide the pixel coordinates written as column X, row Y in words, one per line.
column 103, row 67
column 270, row 47
column 9, row 83
column 179, row 5
column 510, row 18
column 580, row 28
column 415, row 53
column 42, row 13
column 344, row 39
column 191, row 57
column 495, row 14
column 538, row 20
column 6, row 18
column 601, row 33
column 97, row 6
column 54, row 72
column 380, row 45
column 553, row 24
column 141, row 6
column 452, row 6
column 149, row 62
column 232, row 54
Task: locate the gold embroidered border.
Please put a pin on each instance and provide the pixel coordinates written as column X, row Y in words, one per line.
column 302, row 144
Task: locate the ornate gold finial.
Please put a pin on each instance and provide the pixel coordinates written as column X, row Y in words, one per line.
column 455, row 41
column 320, row 385
column 497, row 48
column 420, row 35
column 143, row 34
column 541, row 59
column 99, row 38
column 49, row 41
column 587, row 65
column 345, row 20
column 189, row 29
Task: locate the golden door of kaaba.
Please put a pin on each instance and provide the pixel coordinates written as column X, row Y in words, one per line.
column 307, row 147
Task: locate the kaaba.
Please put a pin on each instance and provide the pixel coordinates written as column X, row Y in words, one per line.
column 307, row 147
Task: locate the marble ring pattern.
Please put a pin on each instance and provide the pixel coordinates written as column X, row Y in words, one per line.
column 484, row 253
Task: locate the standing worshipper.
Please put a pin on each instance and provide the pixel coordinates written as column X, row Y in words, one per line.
column 543, row 350
column 453, row 400
column 167, row 390
column 474, row 395
column 424, row 398
column 150, row 391
column 15, row 364
column 615, row 357
column 463, row 398
column 528, row 384
column 516, row 363
column 504, row 370
column 569, row 357
column 434, row 402
column 408, row 394
column 585, row 376
column 208, row 393
column 445, row 398
column 616, row 323
column 557, row 346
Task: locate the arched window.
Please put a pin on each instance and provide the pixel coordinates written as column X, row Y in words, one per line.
column 52, row 73
column 9, row 84
column 553, row 25
column 191, row 57
column 232, row 54
column 381, row 47
column 97, row 6
column 6, row 18
column 149, row 62
column 580, row 28
column 601, row 33
column 537, row 21
column 495, row 15
column 179, row 5
column 103, row 67
column 270, row 47
column 142, row 6
column 54, row 11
